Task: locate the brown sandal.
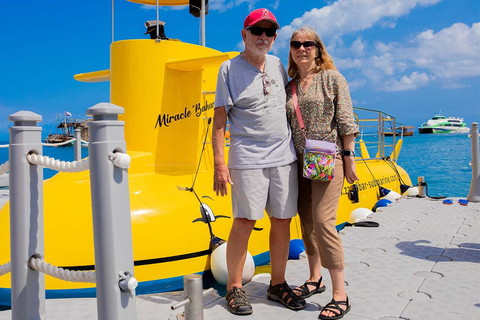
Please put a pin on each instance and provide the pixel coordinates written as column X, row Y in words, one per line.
column 237, row 302
column 284, row 294
column 306, row 293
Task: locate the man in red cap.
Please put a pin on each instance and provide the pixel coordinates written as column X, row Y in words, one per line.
column 261, row 162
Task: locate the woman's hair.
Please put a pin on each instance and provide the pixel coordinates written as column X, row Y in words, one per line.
column 323, row 59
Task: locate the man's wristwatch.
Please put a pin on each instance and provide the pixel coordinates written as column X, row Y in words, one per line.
column 348, row 153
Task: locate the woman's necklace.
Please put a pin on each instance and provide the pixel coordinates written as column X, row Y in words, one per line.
column 305, row 82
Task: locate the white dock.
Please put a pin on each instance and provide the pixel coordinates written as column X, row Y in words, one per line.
column 423, row 262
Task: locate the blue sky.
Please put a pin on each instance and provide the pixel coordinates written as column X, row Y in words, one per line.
column 409, row 58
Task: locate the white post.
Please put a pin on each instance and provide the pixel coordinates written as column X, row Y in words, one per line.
column 111, row 213
column 421, row 187
column 78, row 145
column 26, row 217
column 474, row 194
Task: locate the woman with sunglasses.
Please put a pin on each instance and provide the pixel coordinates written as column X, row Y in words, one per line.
column 326, row 109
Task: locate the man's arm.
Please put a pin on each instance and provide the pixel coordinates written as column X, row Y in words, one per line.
column 221, row 174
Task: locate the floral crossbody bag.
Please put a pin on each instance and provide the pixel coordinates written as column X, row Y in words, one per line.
column 318, row 156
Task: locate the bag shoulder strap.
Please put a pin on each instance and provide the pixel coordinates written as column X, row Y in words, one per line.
column 295, row 104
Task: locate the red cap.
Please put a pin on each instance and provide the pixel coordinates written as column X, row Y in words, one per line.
column 259, row 15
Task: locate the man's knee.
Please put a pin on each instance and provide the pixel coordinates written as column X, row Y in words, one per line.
column 280, row 223
column 243, row 224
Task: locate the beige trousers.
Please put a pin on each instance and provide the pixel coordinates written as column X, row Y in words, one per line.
column 317, row 208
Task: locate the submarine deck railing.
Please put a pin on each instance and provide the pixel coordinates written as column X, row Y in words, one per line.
column 375, row 123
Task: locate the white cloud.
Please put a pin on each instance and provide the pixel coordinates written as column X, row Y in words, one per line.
column 224, row 5
column 276, row 4
column 446, row 56
column 358, row 47
column 348, row 63
column 356, row 84
column 385, row 62
column 454, row 85
column 414, row 81
column 348, row 16
column 240, row 46
column 220, row 5
column 451, row 53
column 382, row 47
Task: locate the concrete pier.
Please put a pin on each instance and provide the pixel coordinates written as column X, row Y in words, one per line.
column 423, row 262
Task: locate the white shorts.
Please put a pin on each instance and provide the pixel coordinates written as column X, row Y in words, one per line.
column 274, row 190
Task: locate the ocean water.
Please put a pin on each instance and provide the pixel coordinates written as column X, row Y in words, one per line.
column 442, row 159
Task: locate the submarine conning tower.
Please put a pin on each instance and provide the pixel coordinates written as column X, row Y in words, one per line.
column 167, row 88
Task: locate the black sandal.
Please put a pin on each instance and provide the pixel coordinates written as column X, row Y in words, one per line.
column 285, row 295
column 237, row 302
column 306, row 293
column 334, row 307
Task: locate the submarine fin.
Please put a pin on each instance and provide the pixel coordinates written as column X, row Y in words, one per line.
column 198, row 63
column 398, row 147
column 95, row 76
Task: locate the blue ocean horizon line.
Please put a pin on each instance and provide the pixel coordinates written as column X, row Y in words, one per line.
column 442, row 159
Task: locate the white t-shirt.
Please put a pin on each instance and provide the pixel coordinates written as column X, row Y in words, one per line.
column 260, row 136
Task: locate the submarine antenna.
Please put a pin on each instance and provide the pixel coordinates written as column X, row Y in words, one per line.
column 156, row 39
column 202, row 23
column 113, row 20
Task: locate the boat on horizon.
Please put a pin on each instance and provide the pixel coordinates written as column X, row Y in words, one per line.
column 402, row 131
column 442, row 124
column 65, row 135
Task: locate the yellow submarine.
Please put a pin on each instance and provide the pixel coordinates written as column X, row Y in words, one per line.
column 167, row 89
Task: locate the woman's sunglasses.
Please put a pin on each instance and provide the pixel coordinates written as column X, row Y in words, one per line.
column 307, row 44
column 258, row 31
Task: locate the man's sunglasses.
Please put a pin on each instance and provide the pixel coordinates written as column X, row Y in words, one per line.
column 307, row 44
column 258, row 31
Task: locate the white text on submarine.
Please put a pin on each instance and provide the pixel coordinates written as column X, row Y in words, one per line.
column 166, row 119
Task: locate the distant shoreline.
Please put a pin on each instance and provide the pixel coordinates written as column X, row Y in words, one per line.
column 4, row 196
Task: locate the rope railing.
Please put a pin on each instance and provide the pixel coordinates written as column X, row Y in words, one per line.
column 4, row 168
column 55, row 164
column 58, row 144
column 61, row 273
column 56, row 272
column 46, row 144
column 5, row 268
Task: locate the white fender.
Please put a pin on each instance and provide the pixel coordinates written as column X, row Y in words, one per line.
column 218, row 264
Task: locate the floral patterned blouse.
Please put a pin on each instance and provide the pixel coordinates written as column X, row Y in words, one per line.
column 326, row 110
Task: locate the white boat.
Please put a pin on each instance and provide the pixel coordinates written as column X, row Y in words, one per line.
column 442, row 124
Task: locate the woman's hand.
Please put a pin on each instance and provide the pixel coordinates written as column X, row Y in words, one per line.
column 349, row 161
column 349, row 169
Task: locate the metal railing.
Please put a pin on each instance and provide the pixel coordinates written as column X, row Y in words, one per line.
column 374, row 123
